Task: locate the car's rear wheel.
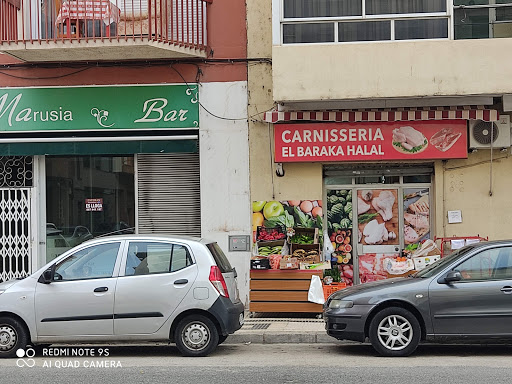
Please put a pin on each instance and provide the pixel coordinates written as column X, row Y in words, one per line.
column 395, row 331
column 13, row 336
column 196, row 335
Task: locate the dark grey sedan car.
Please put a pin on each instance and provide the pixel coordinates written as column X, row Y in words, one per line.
column 465, row 296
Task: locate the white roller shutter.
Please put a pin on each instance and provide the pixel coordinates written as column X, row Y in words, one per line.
column 169, row 194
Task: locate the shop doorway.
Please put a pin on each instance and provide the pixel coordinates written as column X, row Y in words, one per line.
column 87, row 197
column 375, row 215
column 16, row 240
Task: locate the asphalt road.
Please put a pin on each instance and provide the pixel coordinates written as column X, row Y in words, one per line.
column 260, row 363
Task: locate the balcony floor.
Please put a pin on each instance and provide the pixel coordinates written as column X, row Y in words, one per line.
column 97, row 50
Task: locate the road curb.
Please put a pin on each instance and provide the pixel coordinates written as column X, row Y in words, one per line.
column 281, row 338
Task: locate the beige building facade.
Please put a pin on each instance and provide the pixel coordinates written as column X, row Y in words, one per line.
column 365, row 59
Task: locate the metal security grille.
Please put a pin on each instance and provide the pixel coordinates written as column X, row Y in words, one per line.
column 16, row 171
column 15, row 249
column 169, row 194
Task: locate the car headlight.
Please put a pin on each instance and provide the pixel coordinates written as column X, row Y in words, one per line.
column 337, row 304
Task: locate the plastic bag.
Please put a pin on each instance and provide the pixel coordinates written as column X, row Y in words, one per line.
column 316, row 291
column 328, row 248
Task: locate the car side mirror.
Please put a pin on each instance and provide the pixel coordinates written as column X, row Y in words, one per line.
column 452, row 276
column 47, row 276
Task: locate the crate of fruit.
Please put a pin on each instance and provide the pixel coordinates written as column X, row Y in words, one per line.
column 269, row 234
column 266, row 248
column 304, row 236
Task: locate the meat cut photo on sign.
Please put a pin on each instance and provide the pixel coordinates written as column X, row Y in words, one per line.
column 377, row 216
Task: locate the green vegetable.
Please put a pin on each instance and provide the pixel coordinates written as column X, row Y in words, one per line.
column 303, row 220
column 349, row 196
column 348, row 208
column 413, row 149
column 283, row 221
column 337, row 209
column 345, row 223
column 343, row 192
column 366, row 217
column 333, row 199
column 302, row 238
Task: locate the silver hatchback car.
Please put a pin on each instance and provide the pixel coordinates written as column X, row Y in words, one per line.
column 125, row 289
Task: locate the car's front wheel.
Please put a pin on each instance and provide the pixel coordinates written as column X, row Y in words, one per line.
column 13, row 336
column 196, row 335
column 395, row 331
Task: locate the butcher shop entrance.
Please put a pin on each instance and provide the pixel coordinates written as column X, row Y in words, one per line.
column 377, row 214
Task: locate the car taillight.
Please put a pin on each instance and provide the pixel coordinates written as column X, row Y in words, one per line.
column 218, row 281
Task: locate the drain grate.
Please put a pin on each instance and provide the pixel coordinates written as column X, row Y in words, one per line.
column 261, row 326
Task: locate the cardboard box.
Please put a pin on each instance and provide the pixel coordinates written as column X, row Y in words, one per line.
column 422, row 262
column 260, row 263
column 316, row 266
column 289, row 263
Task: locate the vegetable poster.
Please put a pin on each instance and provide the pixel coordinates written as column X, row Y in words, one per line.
column 339, row 225
column 287, row 214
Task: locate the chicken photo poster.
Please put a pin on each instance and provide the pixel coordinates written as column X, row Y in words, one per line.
column 416, row 217
column 370, row 141
column 377, row 216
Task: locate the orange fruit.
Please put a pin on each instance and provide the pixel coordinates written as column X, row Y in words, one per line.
column 257, row 220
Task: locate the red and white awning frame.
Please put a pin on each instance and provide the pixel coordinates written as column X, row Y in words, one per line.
column 396, row 114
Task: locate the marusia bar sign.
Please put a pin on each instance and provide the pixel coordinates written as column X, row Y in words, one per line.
column 369, row 141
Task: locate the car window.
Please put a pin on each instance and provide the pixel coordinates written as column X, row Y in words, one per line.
column 93, row 262
column 220, row 258
column 489, row 264
column 442, row 263
column 145, row 258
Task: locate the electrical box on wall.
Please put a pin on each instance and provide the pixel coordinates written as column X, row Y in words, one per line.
column 239, row 243
column 483, row 133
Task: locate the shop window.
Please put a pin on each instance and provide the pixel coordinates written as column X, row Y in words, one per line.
column 86, row 197
column 417, row 179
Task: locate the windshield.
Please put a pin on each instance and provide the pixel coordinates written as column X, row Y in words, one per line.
column 440, row 264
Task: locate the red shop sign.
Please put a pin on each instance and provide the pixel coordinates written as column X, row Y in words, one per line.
column 397, row 140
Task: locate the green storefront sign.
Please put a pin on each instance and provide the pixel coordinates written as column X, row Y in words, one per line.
column 99, row 108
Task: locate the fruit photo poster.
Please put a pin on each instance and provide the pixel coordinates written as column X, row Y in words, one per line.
column 287, row 214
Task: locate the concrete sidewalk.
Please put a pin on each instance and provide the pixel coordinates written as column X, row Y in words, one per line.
column 272, row 328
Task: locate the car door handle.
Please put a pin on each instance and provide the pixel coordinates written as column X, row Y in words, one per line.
column 101, row 289
column 181, row 281
column 506, row 289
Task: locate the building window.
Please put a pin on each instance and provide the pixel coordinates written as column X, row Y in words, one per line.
column 333, row 21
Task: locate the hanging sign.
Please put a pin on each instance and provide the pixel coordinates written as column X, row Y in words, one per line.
column 371, row 141
column 93, row 205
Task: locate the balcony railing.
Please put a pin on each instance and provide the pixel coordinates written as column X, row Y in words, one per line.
column 177, row 23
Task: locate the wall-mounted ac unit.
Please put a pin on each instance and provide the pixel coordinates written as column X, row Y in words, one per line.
column 481, row 132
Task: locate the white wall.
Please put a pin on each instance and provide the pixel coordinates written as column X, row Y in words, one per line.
column 224, row 158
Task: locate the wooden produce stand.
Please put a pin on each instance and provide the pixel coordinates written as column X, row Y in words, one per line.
column 276, row 290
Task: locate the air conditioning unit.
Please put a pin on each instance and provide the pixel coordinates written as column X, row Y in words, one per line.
column 481, row 133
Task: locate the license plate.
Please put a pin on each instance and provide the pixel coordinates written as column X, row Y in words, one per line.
column 241, row 319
